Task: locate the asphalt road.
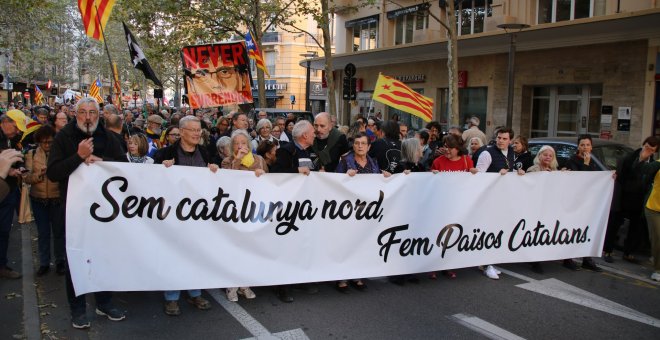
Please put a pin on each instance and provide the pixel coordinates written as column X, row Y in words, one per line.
column 559, row 304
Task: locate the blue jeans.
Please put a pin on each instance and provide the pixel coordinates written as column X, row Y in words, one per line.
column 173, row 295
column 8, row 207
column 49, row 215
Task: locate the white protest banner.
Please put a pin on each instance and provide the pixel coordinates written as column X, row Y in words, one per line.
column 136, row 227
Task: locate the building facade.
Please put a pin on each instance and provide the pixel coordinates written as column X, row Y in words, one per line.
column 581, row 66
column 287, row 85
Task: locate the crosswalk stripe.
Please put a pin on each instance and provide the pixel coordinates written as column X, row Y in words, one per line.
column 251, row 324
column 484, row 327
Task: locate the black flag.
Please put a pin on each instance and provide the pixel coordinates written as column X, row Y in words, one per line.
column 138, row 59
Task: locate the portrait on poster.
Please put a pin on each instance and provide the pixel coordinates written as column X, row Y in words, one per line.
column 217, row 74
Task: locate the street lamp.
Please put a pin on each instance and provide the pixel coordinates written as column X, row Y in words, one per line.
column 511, row 29
column 308, row 56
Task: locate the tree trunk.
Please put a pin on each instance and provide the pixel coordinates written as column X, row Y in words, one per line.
column 452, row 65
column 327, row 52
column 258, row 34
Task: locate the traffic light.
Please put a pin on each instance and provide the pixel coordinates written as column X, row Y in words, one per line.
column 349, row 88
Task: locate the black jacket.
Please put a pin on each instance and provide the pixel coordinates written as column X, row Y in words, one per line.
column 64, row 159
column 170, row 152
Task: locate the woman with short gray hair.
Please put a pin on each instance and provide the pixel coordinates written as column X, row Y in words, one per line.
column 263, row 129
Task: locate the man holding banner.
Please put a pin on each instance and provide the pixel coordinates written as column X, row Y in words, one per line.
column 89, row 142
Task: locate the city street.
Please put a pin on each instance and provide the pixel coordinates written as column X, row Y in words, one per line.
column 620, row 302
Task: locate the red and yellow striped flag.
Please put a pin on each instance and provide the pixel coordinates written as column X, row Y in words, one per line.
column 95, row 90
column 38, row 95
column 255, row 54
column 95, row 14
column 396, row 94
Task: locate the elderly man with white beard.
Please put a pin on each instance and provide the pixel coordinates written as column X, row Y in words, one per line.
column 83, row 141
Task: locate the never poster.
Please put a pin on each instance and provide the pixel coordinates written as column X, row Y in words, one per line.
column 217, row 74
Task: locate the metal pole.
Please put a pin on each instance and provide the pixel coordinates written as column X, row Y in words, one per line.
column 510, row 81
column 308, row 106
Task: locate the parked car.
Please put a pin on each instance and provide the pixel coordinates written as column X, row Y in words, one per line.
column 273, row 113
column 606, row 154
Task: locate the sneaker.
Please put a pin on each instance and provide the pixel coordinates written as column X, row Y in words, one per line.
column 111, row 312
column 247, row 292
column 8, row 273
column 589, row 264
column 570, row 264
column 607, row 257
column 200, row 303
column 491, row 272
column 172, row 308
column 80, row 321
column 232, row 294
column 655, row 276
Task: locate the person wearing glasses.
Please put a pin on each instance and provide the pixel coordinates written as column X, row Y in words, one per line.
column 186, row 152
column 87, row 142
column 46, row 203
column 232, row 82
column 172, row 134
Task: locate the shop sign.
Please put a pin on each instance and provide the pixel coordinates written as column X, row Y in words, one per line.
column 407, row 10
column 411, row 78
column 362, row 21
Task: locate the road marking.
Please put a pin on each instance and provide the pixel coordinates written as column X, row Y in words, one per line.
column 30, row 310
column 563, row 291
column 484, row 327
column 629, row 275
column 251, row 324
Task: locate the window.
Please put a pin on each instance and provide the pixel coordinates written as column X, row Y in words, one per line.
column 365, row 36
column 472, row 101
column 406, row 25
column 271, row 61
column 470, row 16
column 562, row 10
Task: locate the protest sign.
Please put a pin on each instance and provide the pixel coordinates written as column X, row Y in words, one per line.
column 217, row 74
column 146, row 227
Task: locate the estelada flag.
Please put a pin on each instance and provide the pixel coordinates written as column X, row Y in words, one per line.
column 217, row 74
column 95, row 90
column 138, row 58
column 38, row 95
column 255, row 54
column 396, row 94
column 95, row 15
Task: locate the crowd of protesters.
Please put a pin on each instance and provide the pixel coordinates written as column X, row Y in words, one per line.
column 69, row 135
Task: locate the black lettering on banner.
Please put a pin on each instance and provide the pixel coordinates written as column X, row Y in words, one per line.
column 540, row 236
column 479, row 240
column 132, row 205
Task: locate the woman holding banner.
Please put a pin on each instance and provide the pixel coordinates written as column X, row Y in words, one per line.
column 358, row 162
column 242, row 158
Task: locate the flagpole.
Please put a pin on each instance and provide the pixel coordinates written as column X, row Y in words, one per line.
column 107, row 51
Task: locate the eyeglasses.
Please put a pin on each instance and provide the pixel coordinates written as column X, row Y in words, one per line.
column 360, row 143
column 90, row 113
column 193, row 130
column 175, row 135
column 223, row 72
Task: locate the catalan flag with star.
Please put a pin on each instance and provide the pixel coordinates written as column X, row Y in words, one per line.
column 255, row 54
column 95, row 90
column 398, row 95
column 38, row 95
